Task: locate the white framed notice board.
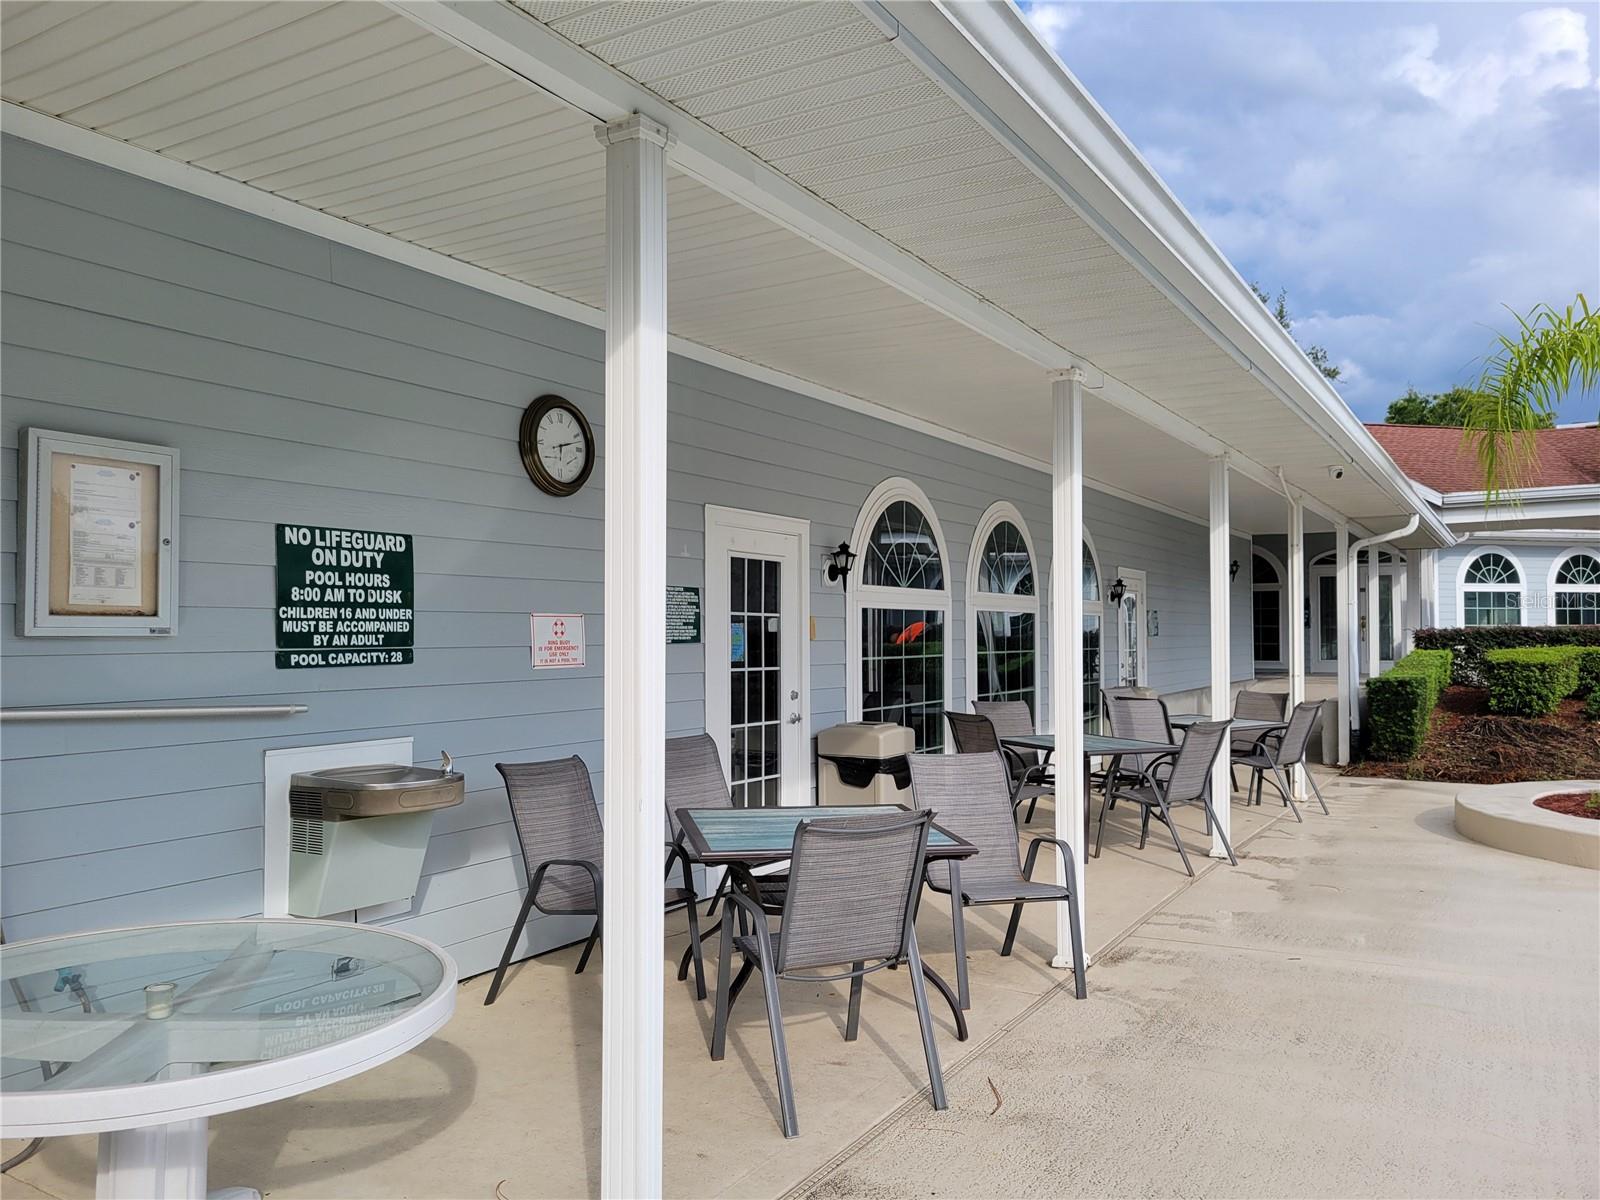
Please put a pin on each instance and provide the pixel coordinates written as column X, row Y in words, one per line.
column 98, row 537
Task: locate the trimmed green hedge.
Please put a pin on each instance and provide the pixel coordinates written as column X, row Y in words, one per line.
column 1470, row 645
column 1400, row 701
column 1531, row 682
column 1589, row 671
column 1591, row 708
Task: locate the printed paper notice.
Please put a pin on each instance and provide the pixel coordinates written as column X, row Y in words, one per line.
column 557, row 639
column 107, row 536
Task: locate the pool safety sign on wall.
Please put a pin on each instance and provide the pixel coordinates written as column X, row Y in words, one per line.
column 345, row 597
column 683, row 615
column 557, row 639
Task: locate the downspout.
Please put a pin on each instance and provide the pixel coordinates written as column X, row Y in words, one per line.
column 1352, row 622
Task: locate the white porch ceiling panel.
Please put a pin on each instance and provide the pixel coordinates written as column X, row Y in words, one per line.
column 361, row 113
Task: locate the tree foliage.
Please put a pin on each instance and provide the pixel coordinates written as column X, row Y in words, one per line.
column 1524, row 381
column 1279, row 308
column 1440, row 408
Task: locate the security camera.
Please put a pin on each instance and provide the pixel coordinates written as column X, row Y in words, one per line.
column 1336, row 472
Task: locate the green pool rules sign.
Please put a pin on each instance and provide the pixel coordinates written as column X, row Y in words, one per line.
column 683, row 615
column 345, row 597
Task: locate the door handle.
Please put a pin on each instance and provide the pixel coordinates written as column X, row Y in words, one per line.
column 794, row 718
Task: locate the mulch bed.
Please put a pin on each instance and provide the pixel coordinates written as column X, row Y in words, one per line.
column 1572, row 804
column 1469, row 744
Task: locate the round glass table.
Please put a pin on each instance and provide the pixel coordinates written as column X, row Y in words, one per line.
column 141, row 1034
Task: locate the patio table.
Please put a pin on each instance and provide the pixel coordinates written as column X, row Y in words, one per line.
column 756, row 837
column 1246, row 725
column 1095, row 745
column 141, row 1034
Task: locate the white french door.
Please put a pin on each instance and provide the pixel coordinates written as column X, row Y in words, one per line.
column 1132, row 670
column 757, row 665
column 1322, row 587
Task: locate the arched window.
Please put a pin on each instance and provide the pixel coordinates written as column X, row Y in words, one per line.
column 1491, row 589
column 899, row 613
column 1575, row 589
column 1266, row 607
column 1002, row 596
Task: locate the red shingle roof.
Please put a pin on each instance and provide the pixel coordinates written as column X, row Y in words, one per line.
column 1442, row 459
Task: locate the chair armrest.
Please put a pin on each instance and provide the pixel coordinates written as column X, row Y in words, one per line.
column 677, row 853
column 594, row 876
column 1068, row 870
column 743, row 896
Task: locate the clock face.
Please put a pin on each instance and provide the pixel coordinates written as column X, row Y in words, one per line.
column 562, row 444
column 557, row 445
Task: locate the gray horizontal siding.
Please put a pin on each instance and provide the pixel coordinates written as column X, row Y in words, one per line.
column 306, row 382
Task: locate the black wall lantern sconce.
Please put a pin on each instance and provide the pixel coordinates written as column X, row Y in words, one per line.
column 1116, row 592
column 840, row 560
column 1233, row 570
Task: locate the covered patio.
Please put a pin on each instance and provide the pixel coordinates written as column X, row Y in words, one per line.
column 833, row 248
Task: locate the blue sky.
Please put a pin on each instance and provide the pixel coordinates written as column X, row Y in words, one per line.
column 1405, row 170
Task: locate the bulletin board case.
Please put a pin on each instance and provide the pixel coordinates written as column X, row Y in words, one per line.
column 97, row 537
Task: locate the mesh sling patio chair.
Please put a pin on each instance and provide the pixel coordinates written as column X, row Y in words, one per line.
column 1141, row 718
column 967, row 794
column 1254, row 706
column 694, row 779
column 852, row 899
column 563, row 847
column 1281, row 755
column 1182, row 779
column 1031, row 777
column 975, row 733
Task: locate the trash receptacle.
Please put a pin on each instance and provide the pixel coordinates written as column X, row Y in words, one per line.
column 357, row 835
column 864, row 763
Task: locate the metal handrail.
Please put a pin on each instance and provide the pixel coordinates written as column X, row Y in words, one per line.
column 151, row 714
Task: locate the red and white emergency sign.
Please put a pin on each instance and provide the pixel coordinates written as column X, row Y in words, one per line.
column 557, row 639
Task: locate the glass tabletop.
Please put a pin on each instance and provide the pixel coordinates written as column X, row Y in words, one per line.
column 132, row 1006
column 1094, row 744
column 1236, row 724
column 746, row 834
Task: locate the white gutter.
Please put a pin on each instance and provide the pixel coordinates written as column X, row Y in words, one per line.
column 1351, row 619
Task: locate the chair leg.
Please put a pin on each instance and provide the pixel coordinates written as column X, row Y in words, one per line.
column 780, row 1051
column 1032, row 804
column 930, row 1049
column 1011, row 930
column 958, row 929
column 694, row 934
column 511, row 944
column 1166, row 816
column 852, row 1024
column 588, row 947
column 1233, row 778
column 1312, row 780
column 1282, row 785
column 1206, row 800
column 1100, row 831
column 719, row 1019
column 1144, row 824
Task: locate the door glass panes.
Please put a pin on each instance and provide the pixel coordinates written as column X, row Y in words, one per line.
column 1007, row 656
column 1091, row 674
column 1132, row 641
column 902, row 671
column 1578, row 591
column 902, row 552
column 1005, row 568
column 1327, row 618
column 1268, row 647
column 1386, row 617
column 755, row 663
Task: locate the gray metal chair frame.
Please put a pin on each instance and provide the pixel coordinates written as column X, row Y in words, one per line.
column 1141, row 718
column 1187, row 779
column 1254, row 706
column 563, row 847
column 976, row 733
column 852, row 898
column 694, row 779
column 1280, row 753
column 1031, row 775
column 965, row 792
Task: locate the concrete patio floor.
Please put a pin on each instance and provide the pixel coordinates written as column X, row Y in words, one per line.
column 1369, row 969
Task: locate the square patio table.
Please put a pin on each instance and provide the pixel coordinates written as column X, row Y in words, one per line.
column 758, row 837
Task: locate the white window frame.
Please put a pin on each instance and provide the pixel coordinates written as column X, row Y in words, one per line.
column 1281, row 587
column 1002, row 511
column 1555, row 569
column 1520, row 587
column 864, row 596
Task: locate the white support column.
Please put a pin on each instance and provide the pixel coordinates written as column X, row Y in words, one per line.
column 1296, row 632
column 1221, row 646
column 1346, row 634
column 635, row 654
column 1413, row 602
column 1374, row 649
column 1066, row 641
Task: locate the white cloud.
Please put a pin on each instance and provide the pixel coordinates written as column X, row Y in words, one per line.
column 1053, row 20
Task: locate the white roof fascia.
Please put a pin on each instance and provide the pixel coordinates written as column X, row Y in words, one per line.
column 1030, row 101
column 1557, row 536
column 1564, row 491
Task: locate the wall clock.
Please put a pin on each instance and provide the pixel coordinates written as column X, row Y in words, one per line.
column 557, row 445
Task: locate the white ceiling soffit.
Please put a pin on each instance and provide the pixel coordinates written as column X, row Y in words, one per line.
column 359, row 113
